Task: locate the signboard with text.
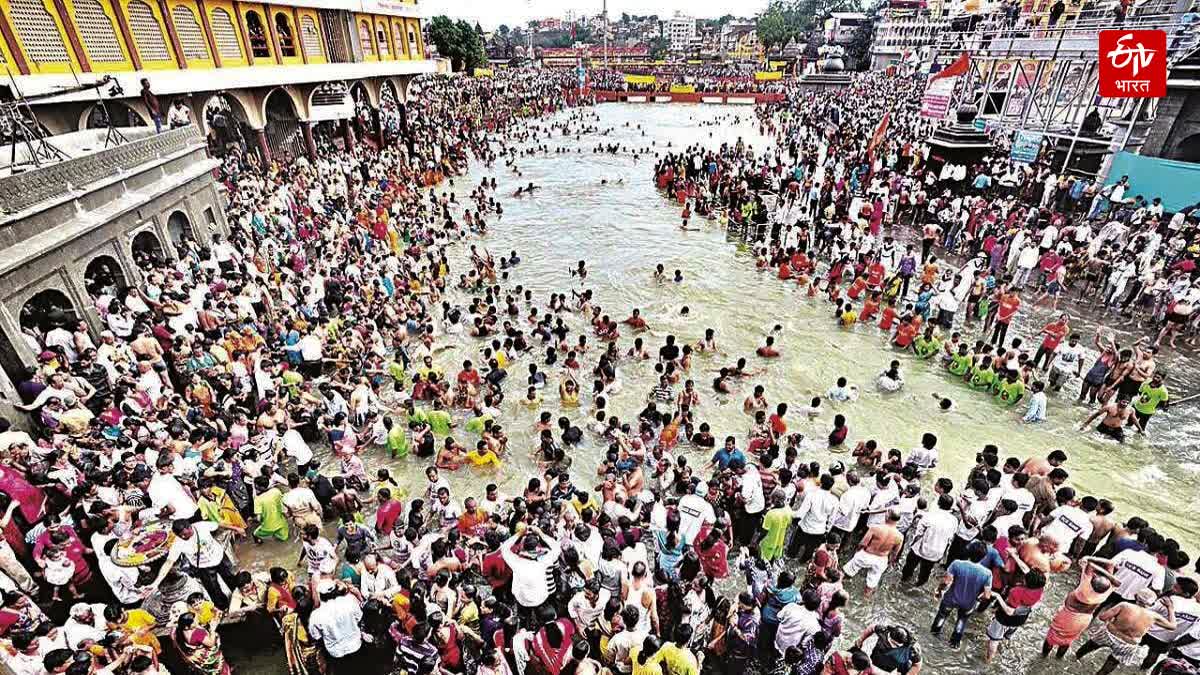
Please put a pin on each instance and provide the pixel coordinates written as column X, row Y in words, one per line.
column 1026, row 146
column 936, row 101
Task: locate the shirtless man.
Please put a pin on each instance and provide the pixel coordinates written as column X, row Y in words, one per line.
column 1125, row 624
column 1042, row 554
column 756, row 401
column 1040, row 467
column 1116, row 417
column 1102, row 525
column 878, row 549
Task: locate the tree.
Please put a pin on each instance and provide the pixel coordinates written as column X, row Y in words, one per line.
column 503, row 29
column 658, row 47
column 859, row 49
column 774, row 27
column 624, row 18
column 458, row 42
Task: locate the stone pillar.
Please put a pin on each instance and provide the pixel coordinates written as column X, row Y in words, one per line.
column 263, row 147
column 309, row 143
column 348, row 133
column 73, row 287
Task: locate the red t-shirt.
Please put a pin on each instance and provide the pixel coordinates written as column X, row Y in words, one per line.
column 887, row 318
column 905, row 334
column 471, row 376
column 1055, row 331
column 778, row 425
column 387, row 515
column 1009, row 304
column 875, row 275
column 495, row 570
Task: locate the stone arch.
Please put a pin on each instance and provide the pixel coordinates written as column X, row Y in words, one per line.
column 122, row 114
column 147, row 249
column 1187, row 149
column 226, row 123
column 104, row 276
column 277, row 97
column 361, row 90
column 401, row 86
column 179, row 228
column 283, row 127
column 46, row 309
column 389, row 94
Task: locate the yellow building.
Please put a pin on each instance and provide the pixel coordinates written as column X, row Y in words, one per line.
column 268, row 64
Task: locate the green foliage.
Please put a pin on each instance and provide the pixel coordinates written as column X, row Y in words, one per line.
column 658, row 47
column 859, row 49
column 784, row 20
column 459, row 42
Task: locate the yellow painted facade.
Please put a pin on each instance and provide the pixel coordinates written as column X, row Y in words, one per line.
column 61, row 36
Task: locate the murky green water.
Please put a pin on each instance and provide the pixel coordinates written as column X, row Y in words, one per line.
column 623, row 229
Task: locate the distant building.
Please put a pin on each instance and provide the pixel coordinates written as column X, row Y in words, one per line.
column 841, row 26
column 680, row 32
column 593, row 56
column 905, row 32
column 739, row 42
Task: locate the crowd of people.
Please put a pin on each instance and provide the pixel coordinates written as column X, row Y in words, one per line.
column 248, row 390
column 716, row 78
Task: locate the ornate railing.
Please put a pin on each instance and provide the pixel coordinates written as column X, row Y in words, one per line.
column 24, row 190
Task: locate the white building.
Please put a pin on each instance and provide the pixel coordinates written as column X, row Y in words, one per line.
column 680, row 32
column 905, row 34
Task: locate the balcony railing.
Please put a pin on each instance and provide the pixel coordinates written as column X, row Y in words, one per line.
column 21, row 191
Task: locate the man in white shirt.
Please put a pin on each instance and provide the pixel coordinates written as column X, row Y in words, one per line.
column 694, row 513
column 1069, row 523
column 588, row 604
column 377, row 579
column 533, row 567
column 753, row 500
column 335, row 622
column 931, row 537
column 1138, row 569
column 166, row 491
column 205, row 558
column 851, row 506
column 797, row 620
column 814, row 517
column 297, row 448
column 1187, row 622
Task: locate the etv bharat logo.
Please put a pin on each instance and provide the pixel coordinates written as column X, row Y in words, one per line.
column 1133, row 63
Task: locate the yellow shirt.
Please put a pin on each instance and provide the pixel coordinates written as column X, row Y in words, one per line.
column 849, row 318
column 204, row 612
column 650, row 667
column 140, row 626
column 485, row 458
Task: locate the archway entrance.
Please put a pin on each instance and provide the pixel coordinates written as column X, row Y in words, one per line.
column 391, row 113
column 227, row 124
column 122, row 116
column 180, row 229
column 147, row 250
column 285, row 137
column 48, row 309
column 1188, row 150
column 104, row 276
column 364, row 113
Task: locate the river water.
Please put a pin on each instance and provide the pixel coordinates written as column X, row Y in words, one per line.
column 624, row 228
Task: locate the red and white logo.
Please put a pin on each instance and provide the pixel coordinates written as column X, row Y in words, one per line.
column 1133, row 63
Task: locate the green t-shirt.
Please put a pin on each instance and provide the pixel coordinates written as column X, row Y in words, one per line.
column 982, row 378
column 397, row 373
column 776, row 523
column 924, row 348
column 1149, row 397
column 476, row 424
column 1010, row 392
column 397, row 441
column 419, row 415
column 960, row 364
column 439, row 421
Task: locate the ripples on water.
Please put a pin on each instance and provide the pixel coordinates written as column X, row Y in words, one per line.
column 624, row 230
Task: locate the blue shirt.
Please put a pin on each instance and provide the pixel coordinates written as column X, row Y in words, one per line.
column 969, row 581
column 723, row 457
